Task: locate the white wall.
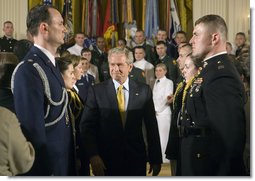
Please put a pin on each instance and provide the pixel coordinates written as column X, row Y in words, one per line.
column 15, row 11
column 235, row 12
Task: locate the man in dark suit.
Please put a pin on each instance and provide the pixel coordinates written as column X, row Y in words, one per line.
column 113, row 139
column 40, row 96
column 213, row 127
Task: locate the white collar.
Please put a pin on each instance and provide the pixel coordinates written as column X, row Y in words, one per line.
column 47, row 53
column 125, row 85
column 78, row 46
column 162, row 57
column 76, row 88
column 225, row 52
column 161, row 79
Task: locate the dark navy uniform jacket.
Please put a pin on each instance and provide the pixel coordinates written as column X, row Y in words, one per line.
column 216, row 107
column 52, row 144
column 7, row 44
column 83, row 86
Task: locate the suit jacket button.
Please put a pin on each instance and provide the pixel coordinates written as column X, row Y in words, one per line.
column 198, row 155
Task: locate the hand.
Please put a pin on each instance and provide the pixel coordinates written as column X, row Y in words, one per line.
column 155, row 169
column 97, row 165
column 170, row 99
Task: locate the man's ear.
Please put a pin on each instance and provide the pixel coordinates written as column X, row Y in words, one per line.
column 215, row 38
column 43, row 27
column 131, row 67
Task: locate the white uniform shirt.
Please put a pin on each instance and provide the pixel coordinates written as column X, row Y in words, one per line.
column 148, row 69
column 76, row 50
column 161, row 90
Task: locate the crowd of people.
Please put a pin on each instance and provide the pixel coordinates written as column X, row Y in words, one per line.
column 73, row 110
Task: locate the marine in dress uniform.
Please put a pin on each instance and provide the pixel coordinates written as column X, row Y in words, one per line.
column 172, row 70
column 212, row 124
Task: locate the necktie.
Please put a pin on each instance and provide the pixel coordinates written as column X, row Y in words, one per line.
column 121, row 102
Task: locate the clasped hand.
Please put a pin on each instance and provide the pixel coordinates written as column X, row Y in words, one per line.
column 97, row 165
column 155, row 169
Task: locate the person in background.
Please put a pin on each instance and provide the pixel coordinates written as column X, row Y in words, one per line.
column 180, row 37
column 8, row 62
column 171, row 49
column 184, row 51
column 229, row 49
column 78, row 46
column 213, row 124
column 137, row 74
column 92, row 69
column 122, row 43
column 86, row 80
column 140, row 40
column 7, row 42
column 99, row 58
column 172, row 71
column 144, row 65
column 240, row 41
column 21, row 48
column 111, row 124
column 40, row 96
column 161, row 89
column 17, row 154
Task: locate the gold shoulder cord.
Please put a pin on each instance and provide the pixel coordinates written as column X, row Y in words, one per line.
column 76, row 102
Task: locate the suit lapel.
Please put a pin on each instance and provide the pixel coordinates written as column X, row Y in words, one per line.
column 132, row 95
column 111, row 93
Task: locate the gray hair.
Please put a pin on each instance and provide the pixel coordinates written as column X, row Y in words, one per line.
column 127, row 53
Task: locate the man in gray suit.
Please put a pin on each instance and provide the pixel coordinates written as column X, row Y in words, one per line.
column 114, row 140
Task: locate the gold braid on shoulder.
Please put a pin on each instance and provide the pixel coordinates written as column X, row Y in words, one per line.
column 76, row 102
column 185, row 91
column 179, row 87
